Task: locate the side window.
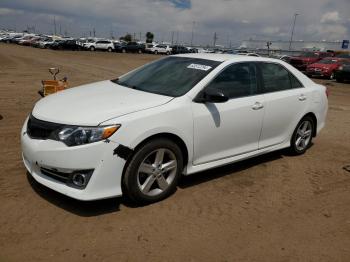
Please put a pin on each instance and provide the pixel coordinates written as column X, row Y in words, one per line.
column 295, row 82
column 275, row 78
column 237, row 80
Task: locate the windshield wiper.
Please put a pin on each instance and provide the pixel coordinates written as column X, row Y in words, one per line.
column 116, row 81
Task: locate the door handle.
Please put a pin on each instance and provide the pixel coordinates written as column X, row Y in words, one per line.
column 302, row 97
column 257, row 106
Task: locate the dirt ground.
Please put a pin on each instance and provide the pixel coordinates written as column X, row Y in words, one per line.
column 270, row 208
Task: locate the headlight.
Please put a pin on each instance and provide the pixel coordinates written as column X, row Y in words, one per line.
column 74, row 136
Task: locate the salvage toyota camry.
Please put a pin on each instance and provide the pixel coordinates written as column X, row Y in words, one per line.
column 136, row 135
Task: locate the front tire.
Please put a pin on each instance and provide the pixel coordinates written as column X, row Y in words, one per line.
column 92, row 48
column 302, row 136
column 153, row 171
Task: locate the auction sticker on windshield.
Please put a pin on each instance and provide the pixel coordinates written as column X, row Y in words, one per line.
column 199, row 67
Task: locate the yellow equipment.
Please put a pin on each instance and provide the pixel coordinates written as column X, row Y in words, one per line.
column 52, row 86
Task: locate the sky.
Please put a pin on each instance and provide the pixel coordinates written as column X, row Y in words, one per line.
column 231, row 20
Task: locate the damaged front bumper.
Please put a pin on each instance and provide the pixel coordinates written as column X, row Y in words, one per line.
column 54, row 165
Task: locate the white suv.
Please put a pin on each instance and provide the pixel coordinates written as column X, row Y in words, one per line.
column 136, row 135
column 106, row 45
column 161, row 49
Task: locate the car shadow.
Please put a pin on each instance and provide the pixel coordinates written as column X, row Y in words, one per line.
column 229, row 169
column 112, row 205
column 80, row 208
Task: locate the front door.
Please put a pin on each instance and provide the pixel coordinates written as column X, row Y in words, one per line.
column 222, row 130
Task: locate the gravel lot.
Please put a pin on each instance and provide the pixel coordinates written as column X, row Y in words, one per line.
column 270, row 208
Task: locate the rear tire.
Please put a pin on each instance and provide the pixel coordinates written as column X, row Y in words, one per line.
column 302, row 136
column 139, row 51
column 109, row 49
column 124, row 50
column 156, row 52
column 153, row 171
column 92, row 48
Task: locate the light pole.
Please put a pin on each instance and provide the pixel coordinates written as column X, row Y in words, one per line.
column 291, row 37
column 193, row 23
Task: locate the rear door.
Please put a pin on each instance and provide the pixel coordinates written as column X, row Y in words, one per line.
column 285, row 103
column 222, row 130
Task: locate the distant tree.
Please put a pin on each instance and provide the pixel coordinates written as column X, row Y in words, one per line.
column 149, row 37
column 127, row 38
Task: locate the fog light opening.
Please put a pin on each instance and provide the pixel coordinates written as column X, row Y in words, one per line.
column 80, row 180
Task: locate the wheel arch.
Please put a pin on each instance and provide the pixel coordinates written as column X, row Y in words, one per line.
column 175, row 138
column 179, row 141
column 314, row 120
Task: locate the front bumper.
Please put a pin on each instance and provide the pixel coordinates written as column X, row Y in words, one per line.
column 319, row 73
column 105, row 181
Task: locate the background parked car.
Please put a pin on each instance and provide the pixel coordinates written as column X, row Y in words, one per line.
column 148, row 47
column 301, row 62
column 179, row 49
column 66, row 45
column 130, row 47
column 343, row 72
column 46, row 42
column 106, row 45
column 324, row 68
column 161, row 49
column 27, row 40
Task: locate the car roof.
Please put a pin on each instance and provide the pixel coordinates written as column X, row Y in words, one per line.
column 227, row 57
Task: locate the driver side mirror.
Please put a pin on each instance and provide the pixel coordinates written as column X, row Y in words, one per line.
column 211, row 95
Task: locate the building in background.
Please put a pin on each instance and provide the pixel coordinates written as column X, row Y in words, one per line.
column 296, row 45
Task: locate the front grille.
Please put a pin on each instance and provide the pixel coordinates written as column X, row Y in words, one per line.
column 39, row 129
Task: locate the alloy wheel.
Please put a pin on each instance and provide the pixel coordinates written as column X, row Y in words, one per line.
column 303, row 135
column 157, row 172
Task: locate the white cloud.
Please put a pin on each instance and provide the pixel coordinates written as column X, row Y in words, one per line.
column 271, row 30
column 9, row 11
column 330, row 17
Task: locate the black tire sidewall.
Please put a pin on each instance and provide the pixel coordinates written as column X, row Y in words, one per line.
column 130, row 177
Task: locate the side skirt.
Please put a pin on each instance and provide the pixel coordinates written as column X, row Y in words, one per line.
column 191, row 169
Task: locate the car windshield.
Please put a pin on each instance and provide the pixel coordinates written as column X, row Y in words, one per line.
column 171, row 76
column 308, row 55
column 328, row 61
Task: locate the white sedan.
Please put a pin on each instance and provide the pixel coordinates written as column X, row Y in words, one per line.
column 136, row 135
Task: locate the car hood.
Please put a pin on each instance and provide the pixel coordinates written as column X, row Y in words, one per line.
column 91, row 104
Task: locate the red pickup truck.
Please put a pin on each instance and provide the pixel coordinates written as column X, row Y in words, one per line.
column 301, row 62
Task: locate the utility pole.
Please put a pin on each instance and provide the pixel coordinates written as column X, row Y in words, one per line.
column 177, row 37
column 94, row 32
column 215, row 38
column 291, row 37
column 140, row 36
column 54, row 23
column 172, row 37
column 268, row 44
column 193, row 23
